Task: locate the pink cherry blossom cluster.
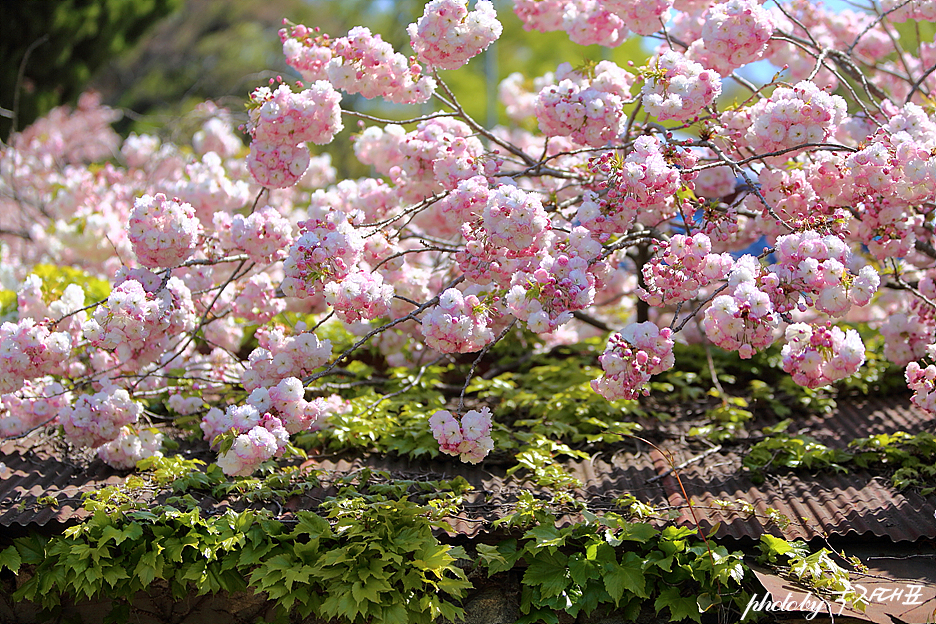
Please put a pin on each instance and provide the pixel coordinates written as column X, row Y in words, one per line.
column 792, row 197
column 816, row 267
column 138, row 320
column 681, row 267
column 280, row 356
column 788, row 118
column 459, row 161
column 281, row 117
column 359, row 295
column 676, row 87
column 240, row 418
column 909, row 332
column 713, row 182
column 30, row 300
column 458, row 324
column 95, row 419
column 277, row 166
column 68, row 136
column 882, row 180
column 744, row 320
column 286, row 401
column 644, row 17
column 631, row 358
column 886, row 227
column 372, row 198
column 903, row 10
column 264, row 235
column 327, row 251
column 320, row 172
column 29, row 350
column 138, row 149
column 36, row 403
column 561, row 284
column 256, row 300
column 906, row 336
column 208, row 186
column 923, row 382
column 519, row 101
column 254, row 447
column 483, row 263
column 589, row 111
column 131, row 446
column 306, row 51
column 465, row 204
column 818, row 355
column 447, row 35
column 900, row 167
column 364, row 63
column 468, row 437
column 281, row 122
column 541, row 15
column 185, row 405
column 164, row 232
column 514, row 218
column 734, row 33
column 217, row 135
column 644, row 183
column 438, row 154
column 590, row 22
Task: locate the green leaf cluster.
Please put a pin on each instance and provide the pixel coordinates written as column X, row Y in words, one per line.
column 780, row 449
column 911, row 459
column 68, row 41
column 369, row 556
column 817, row 570
column 727, row 419
column 609, row 561
column 55, row 278
column 397, row 421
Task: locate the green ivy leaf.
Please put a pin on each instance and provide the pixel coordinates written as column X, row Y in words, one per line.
column 395, row 613
column 370, row 590
column 546, row 536
column 311, row 524
column 113, row 574
column 774, row 546
column 626, row 576
column 582, row 570
column 537, row 616
column 636, row 532
column 499, row 558
column 32, row 549
column 549, row 571
column 131, row 532
column 680, row 607
column 10, row 559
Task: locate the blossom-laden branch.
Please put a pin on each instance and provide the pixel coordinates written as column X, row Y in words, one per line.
column 611, row 189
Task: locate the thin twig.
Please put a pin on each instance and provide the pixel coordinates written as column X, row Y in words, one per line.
column 406, row 388
column 411, row 316
column 487, row 347
column 20, row 75
column 688, row 462
column 591, row 320
column 678, row 329
column 401, row 122
column 919, row 83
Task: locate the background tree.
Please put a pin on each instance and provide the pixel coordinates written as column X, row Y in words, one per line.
column 50, row 49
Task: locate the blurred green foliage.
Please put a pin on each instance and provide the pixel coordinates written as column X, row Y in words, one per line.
column 59, row 44
column 223, row 49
